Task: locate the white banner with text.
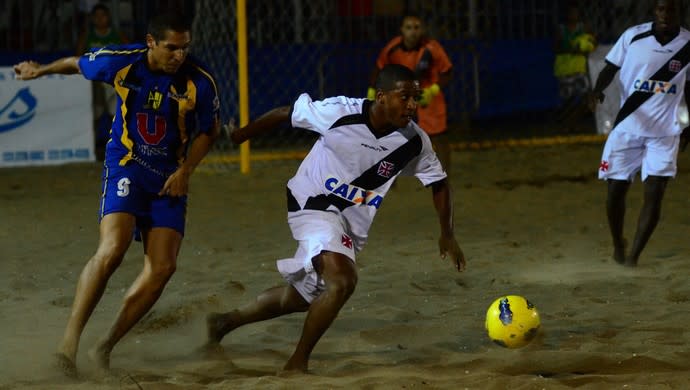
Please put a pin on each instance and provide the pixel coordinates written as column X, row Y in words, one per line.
column 45, row 121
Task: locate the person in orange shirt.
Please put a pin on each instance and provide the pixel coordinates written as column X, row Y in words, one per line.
column 427, row 58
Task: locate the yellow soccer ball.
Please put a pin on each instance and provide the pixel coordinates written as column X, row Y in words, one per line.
column 512, row 321
column 585, row 43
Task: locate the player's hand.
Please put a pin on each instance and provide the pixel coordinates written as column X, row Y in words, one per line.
column 449, row 249
column 371, row 93
column 228, row 129
column 684, row 138
column 27, row 70
column 428, row 94
column 594, row 98
column 236, row 136
column 177, row 184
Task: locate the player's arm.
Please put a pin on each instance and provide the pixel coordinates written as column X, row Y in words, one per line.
column 604, row 78
column 261, row 125
column 29, row 70
column 443, row 203
column 178, row 183
column 685, row 134
column 443, row 67
column 444, row 78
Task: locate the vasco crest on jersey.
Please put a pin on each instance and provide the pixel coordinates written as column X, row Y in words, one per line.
column 385, row 169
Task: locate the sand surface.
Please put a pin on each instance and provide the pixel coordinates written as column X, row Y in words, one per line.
column 531, row 222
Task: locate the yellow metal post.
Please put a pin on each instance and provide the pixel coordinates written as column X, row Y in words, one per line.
column 243, row 76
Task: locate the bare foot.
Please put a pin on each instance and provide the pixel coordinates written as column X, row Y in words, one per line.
column 65, row 365
column 212, row 351
column 630, row 262
column 100, row 356
column 619, row 253
column 218, row 325
column 294, row 366
column 290, row 373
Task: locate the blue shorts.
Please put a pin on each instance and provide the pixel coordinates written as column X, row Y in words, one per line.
column 134, row 190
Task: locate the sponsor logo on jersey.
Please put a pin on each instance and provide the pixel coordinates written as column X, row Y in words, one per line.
column 352, row 193
column 675, row 66
column 151, row 151
column 379, row 148
column 177, row 96
column 154, row 100
column 121, row 82
column 93, row 55
column 18, row 111
column 655, row 86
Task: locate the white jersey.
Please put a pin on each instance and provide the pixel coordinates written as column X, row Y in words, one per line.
column 349, row 169
column 652, row 78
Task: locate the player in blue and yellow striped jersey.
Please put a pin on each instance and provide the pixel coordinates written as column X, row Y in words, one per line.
column 164, row 97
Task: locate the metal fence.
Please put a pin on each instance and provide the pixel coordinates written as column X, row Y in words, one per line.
column 501, row 49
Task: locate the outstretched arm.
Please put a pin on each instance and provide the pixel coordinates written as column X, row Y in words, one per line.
column 603, row 80
column 29, row 70
column 447, row 244
column 263, row 124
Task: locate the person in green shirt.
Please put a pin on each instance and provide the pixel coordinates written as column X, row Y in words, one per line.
column 100, row 33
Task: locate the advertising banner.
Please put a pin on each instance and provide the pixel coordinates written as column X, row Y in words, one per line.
column 45, row 121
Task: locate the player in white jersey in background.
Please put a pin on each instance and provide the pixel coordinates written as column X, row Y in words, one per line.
column 653, row 62
column 332, row 199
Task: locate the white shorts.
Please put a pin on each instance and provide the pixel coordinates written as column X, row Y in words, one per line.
column 625, row 153
column 315, row 231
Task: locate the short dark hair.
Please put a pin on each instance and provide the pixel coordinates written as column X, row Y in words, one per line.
column 411, row 14
column 391, row 74
column 174, row 21
column 100, row 7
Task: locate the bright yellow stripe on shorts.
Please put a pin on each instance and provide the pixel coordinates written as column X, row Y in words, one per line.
column 123, row 92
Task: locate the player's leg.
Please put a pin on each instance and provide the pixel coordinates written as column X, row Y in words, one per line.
column 654, row 189
column 161, row 247
column 620, row 161
column 339, row 274
column 271, row 303
column 115, row 237
column 658, row 166
column 615, row 211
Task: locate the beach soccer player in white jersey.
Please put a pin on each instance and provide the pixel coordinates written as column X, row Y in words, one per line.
column 652, row 60
column 333, row 198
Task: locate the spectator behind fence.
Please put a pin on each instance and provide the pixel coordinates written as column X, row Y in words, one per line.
column 99, row 33
column 427, row 58
column 573, row 42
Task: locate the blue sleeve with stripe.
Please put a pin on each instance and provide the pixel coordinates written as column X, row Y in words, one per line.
column 208, row 106
column 102, row 64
